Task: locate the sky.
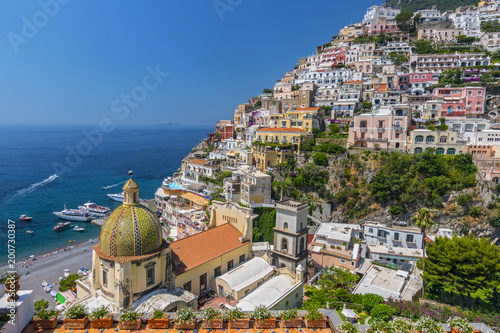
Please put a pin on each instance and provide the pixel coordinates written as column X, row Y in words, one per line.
column 153, row 61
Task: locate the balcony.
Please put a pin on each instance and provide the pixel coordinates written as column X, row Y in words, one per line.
column 380, row 130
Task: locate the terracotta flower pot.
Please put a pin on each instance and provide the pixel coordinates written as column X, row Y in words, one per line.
column 130, row 325
column 214, row 323
column 102, row 323
column 75, row 324
column 321, row 323
column 265, row 323
column 159, row 323
column 11, row 288
column 45, row 323
column 186, row 326
column 294, row 323
column 239, row 323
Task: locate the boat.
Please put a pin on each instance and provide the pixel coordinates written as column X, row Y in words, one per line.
column 73, row 215
column 61, row 225
column 95, row 210
column 77, row 228
column 25, row 218
column 116, row 197
column 30, row 232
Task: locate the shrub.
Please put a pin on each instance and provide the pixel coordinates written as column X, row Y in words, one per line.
column 463, row 199
column 371, row 300
column 45, row 314
column 77, row 312
column 348, row 327
column 320, row 159
column 261, row 312
column 208, row 313
column 68, row 282
column 395, row 210
column 289, row 314
column 495, row 221
column 130, row 315
column 158, row 314
column 474, row 211
column 185, row 315
column 461, row 325
column 41, row 304
column 235, row 313
column 341, row 197
column 101, row 312
column 428, row 325
column 382, row 312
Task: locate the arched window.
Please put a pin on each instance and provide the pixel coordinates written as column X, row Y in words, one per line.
column 429, row 139
column 417, row 150
column 285, row 226
column 440, row 151
column 450, row 151
column 302, row 244
column 442, row 139
column 419, row 138
column 370, row 230
column 284, row 244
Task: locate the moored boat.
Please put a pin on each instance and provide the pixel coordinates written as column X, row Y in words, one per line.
column 116, row 197
column 77, row 228
column 25, row 218
column 95, row 210
column 73, row 215
column 30, row 232
column 61, row 225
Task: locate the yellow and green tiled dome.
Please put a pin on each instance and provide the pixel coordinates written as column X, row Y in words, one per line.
column 131, row 230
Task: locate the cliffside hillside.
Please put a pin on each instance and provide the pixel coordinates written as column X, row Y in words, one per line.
column 442, row 5
column 390, row 186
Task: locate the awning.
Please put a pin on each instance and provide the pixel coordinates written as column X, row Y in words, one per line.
column 348, row 313
column 60, row 298
column 195, row 199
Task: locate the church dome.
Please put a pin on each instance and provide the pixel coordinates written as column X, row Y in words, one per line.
column 132, row 229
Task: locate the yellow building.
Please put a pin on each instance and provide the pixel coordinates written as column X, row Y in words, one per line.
column 199, row 259
column 132, row 258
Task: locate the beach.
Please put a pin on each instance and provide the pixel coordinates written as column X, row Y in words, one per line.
column 50, row 268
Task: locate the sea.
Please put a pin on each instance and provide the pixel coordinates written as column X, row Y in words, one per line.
column 46, row 167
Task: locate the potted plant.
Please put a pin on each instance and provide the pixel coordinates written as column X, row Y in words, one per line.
column 43, row 317
column 237, row 318
column 76, row 318
column 263, row 318
column 460, row 325
column 348, row 327
column 185, row 319
column 158, row 319
column 212, row 318
column 130, row 320
column 315, row 319
column 428, row 325
column 290, row 319
column 11, row 282
column 101, row 317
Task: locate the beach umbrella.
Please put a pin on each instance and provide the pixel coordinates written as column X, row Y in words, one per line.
column 53, row 293
column 32, row 256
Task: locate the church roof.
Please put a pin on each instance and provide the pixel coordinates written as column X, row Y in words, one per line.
column 200, row 248
column 130, row 184
column 247, row 273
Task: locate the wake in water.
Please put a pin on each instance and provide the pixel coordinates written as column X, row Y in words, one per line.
column 110, row 186
column 34, row 186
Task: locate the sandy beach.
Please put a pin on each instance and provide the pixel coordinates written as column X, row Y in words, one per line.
column 50, row 268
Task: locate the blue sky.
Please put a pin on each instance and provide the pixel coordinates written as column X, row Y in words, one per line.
column 78, row 63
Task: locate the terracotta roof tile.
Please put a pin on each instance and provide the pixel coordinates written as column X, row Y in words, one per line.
column 197, row 161
column 200, row 248
column 280, row 129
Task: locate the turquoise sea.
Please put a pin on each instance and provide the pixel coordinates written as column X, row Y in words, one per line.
column 43, row 167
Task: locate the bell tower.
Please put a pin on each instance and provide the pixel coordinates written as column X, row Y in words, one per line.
column 290, row 235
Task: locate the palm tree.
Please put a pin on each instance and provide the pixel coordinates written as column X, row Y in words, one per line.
column 422, row 218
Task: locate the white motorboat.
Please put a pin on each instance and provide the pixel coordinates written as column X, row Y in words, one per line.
column 61, row 225
column 77, row 228
column 95, row 210
column 73, row 215
column 116, row 197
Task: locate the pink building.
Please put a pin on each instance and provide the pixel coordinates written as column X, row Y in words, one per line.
column 418, row 81
column 333, row 56
column 385, row 128
column 461, row 101
column 382, row 25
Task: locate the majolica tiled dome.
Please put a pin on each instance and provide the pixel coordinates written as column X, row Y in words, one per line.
column 132, row 229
